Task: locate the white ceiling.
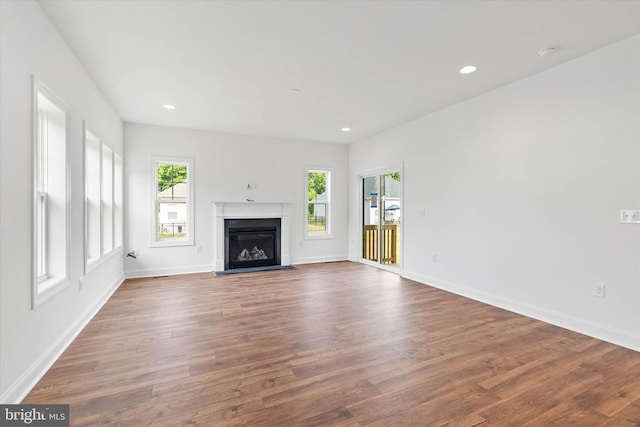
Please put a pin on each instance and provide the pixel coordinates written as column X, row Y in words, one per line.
column 370, row 65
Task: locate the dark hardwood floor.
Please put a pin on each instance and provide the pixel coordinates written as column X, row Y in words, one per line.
column 336, row 344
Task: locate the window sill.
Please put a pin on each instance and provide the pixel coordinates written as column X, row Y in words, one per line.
column 96, row 262
column 168, row 244
column 318, row 236
column 47, row 288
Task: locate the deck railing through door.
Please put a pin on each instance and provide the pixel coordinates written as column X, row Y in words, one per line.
column 389, row 243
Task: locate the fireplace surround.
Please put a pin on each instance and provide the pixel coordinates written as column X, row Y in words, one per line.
column 229, row 212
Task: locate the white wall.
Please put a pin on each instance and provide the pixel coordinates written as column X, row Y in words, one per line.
column 522, row 189
column 224, row 165
column 31, row 340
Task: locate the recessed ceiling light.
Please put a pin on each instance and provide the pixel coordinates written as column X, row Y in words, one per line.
column 468, row 69
column 346, row 129
column 169, row 107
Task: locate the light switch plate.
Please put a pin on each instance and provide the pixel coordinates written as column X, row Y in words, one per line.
column 630, row 216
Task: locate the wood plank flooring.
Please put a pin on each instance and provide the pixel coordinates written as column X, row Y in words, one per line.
column 336, row 344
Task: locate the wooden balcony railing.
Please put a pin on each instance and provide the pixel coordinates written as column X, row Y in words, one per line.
column 389, row 243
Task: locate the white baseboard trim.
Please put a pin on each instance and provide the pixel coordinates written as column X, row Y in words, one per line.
column 317, row 260
column 23, row 385
column 168, row 271
column 593, row 329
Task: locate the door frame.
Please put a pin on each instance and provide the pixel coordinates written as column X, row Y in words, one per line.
column 396, row 268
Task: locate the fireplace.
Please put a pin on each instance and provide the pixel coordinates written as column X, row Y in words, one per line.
column 252, row 242
column 233, row 211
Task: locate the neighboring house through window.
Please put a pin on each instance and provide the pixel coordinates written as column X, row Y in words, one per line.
column 173, row 199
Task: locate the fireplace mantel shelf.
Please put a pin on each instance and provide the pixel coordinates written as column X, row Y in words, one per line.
column 251, row 209
column 249, row 206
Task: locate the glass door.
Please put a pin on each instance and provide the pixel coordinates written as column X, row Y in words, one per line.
column 381, row 213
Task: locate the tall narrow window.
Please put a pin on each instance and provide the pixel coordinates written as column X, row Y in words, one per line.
column 107, row 199
column 173, row 199
column 50, row 197
column 117, row 200
column 318, row 202
column 93, row 198
column 103, row 200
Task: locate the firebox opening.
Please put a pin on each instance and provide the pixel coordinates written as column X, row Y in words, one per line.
column 252, row 242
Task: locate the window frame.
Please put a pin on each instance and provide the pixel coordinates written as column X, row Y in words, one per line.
column 328, row 233
column 93, row 195
column 114, row 177
column 106, row 200
column 46, row 243
column 118, row 201
column 189, row 239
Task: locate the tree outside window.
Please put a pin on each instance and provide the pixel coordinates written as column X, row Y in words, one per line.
column 318, row 202
column 173, row 222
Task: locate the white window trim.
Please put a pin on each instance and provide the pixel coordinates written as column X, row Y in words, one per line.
column 43, row 287
column 118, row 202
column 103, row 221
column 40, row 233
column 93, row 263
column 96, row 262
column 329, row 233
column 190, row 239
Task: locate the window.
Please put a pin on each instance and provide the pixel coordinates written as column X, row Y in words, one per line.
column 117, row 200
column 107, row 199
column 93, row 197
column 318, row 202
column 103, row 200
column 50, row 197
column 173, row 197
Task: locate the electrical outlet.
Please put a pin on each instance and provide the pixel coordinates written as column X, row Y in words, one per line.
column 198, row 248
column 80, row 283
column 434, row 258
column 598, row 290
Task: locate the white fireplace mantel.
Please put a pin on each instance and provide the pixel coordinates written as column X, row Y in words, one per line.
column 240, row 210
